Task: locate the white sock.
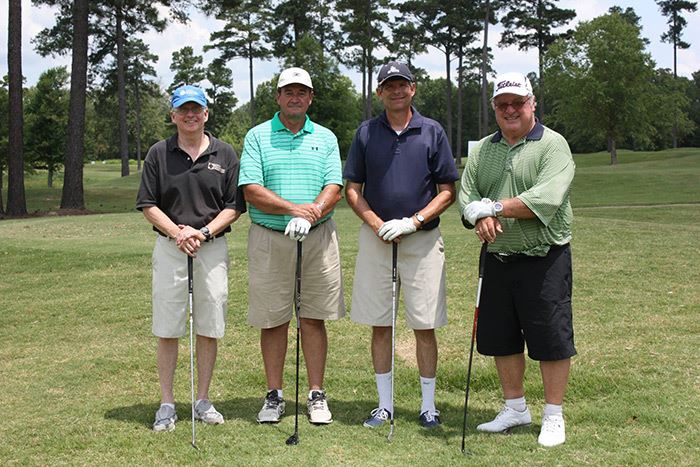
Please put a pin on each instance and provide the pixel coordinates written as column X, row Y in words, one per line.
column 384, row 390
column 427, row 389
column 168, row 404
column 196, row 403
column 517, row 404
column 551, row 409
column 279, row 392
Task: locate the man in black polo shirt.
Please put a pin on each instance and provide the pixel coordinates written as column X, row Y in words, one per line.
column 189, row 192
column 400, row 177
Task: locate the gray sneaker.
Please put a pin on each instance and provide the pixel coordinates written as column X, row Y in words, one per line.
column 377, row 418
column 165, row 419
column 206, row 412
column 272, row 409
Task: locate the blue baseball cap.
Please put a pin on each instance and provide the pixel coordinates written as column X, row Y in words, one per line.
column 188, row 93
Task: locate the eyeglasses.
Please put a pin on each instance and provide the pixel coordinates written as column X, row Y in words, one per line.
column 185, row 110
column 517, row 105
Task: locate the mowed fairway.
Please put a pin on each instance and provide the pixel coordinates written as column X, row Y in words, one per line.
column 78, row 383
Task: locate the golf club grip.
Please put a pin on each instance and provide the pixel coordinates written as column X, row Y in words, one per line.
column 482, row 258
column 189, row 273
column 394, row 259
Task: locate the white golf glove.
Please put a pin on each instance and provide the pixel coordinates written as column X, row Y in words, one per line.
column 396, row 227
column 298, row 228
column 477, row 210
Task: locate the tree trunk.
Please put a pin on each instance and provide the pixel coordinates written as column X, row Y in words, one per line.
column 49, row 181
column 72, row 196
column 16, row 201
column 674, row 132
column 368, row 60
column 448, row 95
column 252, row 98
column 458, row 145
column 2, row 208
column 121, row 93
column 137, row 97
column 540, row 52
column 613, row 150
column 364, row 82
column 484, row 129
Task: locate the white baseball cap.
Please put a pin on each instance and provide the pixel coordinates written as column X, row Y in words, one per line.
column 294, row 75
column 512, row 83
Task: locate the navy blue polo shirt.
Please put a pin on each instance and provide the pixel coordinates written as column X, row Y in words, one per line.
column 191, row 193
column 400, row 172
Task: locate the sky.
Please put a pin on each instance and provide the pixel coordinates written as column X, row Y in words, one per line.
column 196, row 34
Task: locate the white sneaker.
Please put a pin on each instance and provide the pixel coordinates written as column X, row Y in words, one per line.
column 508, row 418
column 206, row 412
column 272, row 409
column 553, row 432
column 319, row 414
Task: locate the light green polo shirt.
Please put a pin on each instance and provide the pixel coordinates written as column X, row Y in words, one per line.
column 295, row 166
column 538, row 170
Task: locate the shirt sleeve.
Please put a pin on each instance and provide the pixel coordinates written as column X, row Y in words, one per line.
column 553, row 182
column 468, row 191
column 149, row 194
column 442, row 164
column 333, row 168
column 251, row 162
column 355, row 163
column 233, row 194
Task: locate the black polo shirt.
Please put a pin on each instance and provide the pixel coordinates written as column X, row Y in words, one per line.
column 191, row 193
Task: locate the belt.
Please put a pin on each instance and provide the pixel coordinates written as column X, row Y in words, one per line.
column 219, row 235
column 282, row 231
column 515, row 257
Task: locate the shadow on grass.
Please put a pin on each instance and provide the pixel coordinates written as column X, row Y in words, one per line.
column 345, row 412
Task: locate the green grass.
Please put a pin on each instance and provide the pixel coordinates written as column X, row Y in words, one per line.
column 77, row 365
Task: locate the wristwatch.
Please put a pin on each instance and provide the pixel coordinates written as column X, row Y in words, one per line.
column 498, row 209
column 420, row 218
column 207, row 234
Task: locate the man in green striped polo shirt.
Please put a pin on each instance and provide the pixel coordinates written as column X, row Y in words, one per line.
column 515, row 194
column 291, row 176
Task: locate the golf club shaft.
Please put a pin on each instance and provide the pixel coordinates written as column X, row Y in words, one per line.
column 190, row 279
column 297, row 307
column 482, row 261
column 394, row 260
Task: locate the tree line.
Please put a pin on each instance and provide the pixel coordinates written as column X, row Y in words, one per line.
column 603, row 91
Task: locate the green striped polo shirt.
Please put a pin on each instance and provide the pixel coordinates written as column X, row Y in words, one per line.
column 295, row 166
column 538, row 170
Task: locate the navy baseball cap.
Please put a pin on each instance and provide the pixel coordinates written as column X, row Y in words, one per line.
column 188, row 93
column 394, row 70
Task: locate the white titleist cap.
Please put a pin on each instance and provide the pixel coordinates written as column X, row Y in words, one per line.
column 294, row 75
column 512, row 83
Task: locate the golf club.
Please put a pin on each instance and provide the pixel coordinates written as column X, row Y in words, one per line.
column 394, row 256
column 482, row 261
column 294, row 439
column 189, row 289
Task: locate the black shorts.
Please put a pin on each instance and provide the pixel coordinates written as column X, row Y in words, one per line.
column 527, row 300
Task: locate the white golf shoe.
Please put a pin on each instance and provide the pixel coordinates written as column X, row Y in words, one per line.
column 553, row 432
column 205, row 412
column 508, row 418
column 319, row 413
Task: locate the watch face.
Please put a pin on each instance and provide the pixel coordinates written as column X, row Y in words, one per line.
column 420, row 218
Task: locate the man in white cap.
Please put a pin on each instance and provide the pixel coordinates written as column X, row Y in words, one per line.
column 291, row 176
column 515, row 194
column 189, row 192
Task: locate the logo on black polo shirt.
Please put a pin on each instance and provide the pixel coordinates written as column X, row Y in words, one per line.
column 215, row 166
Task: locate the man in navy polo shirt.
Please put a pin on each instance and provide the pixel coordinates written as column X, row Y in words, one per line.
column 400, row 177
column 189, row 193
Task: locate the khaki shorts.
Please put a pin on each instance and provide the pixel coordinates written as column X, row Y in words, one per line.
column 421, row 274
column 209, row 289
column 271, row 275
